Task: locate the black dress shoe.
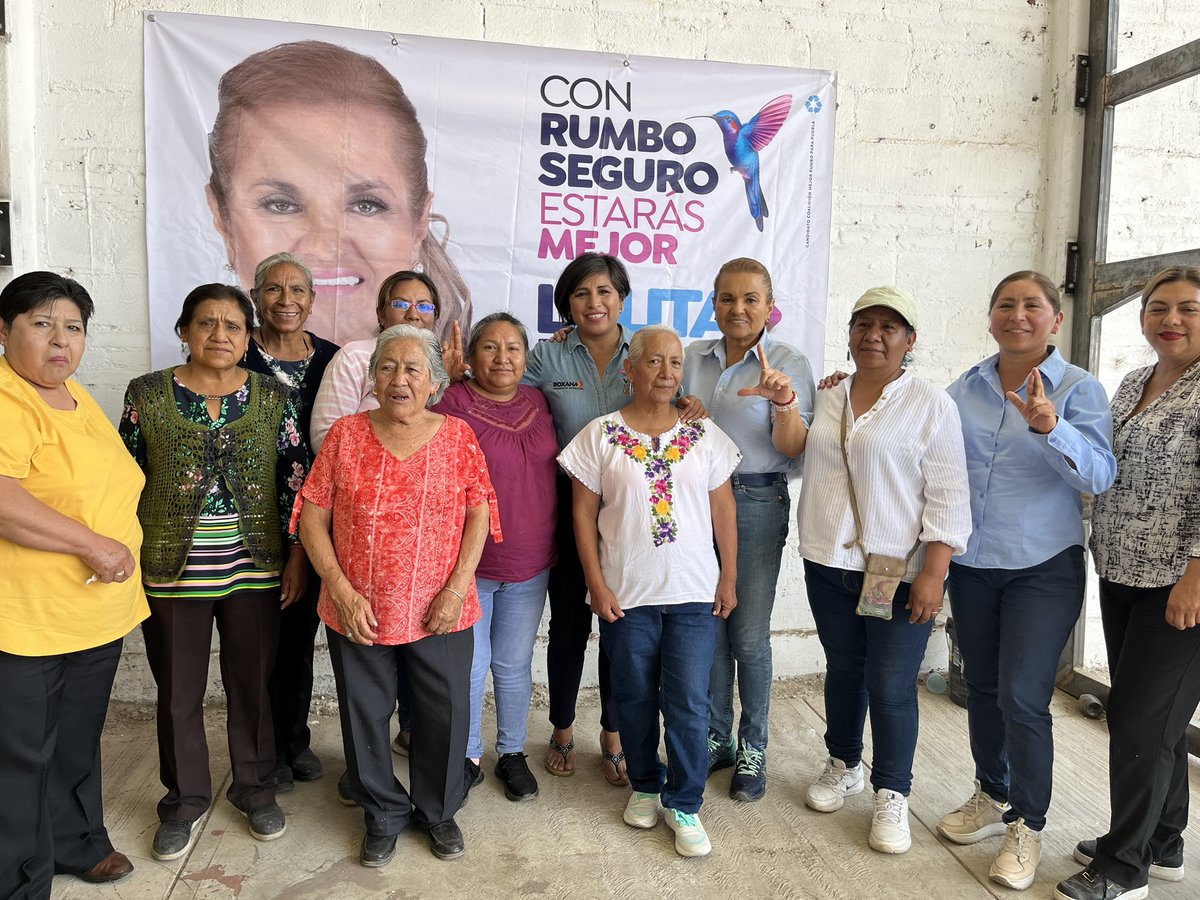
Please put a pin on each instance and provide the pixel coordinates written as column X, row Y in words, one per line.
column 282, row 778
column 377, row 849
column 113, row 867
column 306, row 766
column 446, row 840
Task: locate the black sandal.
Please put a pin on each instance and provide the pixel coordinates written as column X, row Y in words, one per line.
column 563, row 750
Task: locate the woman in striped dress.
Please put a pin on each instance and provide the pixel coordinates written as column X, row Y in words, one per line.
column 224, row 457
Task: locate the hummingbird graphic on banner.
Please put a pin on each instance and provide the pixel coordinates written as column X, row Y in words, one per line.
column 743, row 143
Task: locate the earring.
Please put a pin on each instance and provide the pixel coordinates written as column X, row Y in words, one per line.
column 418, row 266
column 628, row 388
column 229, row 267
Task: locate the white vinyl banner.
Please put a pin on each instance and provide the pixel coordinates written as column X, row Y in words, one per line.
column 489, row 166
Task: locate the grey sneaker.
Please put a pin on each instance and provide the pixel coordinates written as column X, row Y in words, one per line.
column 174, row 839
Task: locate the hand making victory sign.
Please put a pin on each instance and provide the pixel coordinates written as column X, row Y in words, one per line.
column 1037, row 408
column 772, row 384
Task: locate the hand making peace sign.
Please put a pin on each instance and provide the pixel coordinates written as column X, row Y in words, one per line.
column 772, row 383
column 1037, row 408
column 452, row 356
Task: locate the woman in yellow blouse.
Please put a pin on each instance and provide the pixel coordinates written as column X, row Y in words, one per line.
column 70, row 590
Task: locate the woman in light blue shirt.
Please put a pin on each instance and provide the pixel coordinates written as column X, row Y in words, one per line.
column 1038, row 435
column 760, row 392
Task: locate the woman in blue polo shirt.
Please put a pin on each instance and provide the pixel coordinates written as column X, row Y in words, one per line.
column 1038, row 435
column 582, row 378
column 760, row 392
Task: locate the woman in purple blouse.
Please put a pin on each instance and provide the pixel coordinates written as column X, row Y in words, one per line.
column 513, row 425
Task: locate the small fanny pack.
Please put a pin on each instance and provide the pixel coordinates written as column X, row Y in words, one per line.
column 884, row 573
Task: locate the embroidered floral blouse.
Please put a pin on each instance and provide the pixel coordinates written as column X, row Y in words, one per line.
column 398, row 524
column 1147, row 525
column 292, row 451
column 656, row 536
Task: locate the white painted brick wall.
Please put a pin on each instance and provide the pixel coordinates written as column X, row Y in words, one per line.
column 956, row 159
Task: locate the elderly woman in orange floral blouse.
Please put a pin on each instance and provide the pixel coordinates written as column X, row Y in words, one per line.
column 394, row 515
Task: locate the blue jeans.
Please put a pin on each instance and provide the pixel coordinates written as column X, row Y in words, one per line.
column 504, row 638
column 869, row 664
column 663, row 655
column 1011, row 626
column 745, row 637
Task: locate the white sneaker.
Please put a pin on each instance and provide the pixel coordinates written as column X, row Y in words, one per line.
column 837, row 782
column 1016, row 864
column 690, row 837
column 642, row 810
column 980, row 817
column 889, row 827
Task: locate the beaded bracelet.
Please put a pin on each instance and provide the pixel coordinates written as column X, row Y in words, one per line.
column 780, row 408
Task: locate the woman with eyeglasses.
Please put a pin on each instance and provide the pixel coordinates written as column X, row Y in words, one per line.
column 405, row 298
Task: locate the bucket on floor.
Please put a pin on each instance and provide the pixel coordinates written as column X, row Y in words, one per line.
column 958, row 684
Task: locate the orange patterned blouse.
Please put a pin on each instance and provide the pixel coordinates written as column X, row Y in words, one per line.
column 398, row 524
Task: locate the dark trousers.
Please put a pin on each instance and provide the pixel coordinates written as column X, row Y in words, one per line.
column 438, row 671
column 178, row 644
column 291, row 682
column 870, row 664
column 1012, row 625
column 52, row 711
column 571, row 627
column 664, row 654
column 1155, row 671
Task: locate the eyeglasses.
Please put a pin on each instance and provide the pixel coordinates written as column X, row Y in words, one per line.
column 425, row 309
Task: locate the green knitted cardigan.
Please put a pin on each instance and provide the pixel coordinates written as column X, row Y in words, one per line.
column 184, row 459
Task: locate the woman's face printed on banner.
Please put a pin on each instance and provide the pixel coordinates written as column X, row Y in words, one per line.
column 326, row 184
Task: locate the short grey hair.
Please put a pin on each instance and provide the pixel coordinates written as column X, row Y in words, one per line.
column 276, row 259
column 433, row 354
column 637, row 343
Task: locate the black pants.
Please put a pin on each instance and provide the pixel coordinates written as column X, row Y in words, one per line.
column 178, row 644
column 52, row 711
column 571, row 627
column 438, row 671
column 1155, row 671
column 291, row 682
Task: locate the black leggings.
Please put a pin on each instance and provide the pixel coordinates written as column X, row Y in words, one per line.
column 571, row 627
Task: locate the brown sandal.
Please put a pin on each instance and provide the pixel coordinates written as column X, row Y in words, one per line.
column 563, row 750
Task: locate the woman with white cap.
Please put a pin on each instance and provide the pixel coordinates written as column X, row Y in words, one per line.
column 883, row 508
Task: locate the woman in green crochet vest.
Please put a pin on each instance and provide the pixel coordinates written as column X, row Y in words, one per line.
column 223, row 455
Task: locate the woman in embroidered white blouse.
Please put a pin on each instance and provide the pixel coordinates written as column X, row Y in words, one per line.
column 885, row 448
column 650, row 493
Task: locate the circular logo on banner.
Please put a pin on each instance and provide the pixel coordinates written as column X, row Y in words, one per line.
column 813, row 104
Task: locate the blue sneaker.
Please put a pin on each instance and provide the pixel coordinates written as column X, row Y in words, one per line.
column 749, row 780
column 720, row 752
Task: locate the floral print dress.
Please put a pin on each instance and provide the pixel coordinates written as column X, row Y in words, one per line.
column 219, row 563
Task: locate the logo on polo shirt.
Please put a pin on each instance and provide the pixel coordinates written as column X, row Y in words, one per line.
column 567, row 385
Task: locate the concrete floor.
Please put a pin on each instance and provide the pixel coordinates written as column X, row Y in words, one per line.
column 571, row 842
